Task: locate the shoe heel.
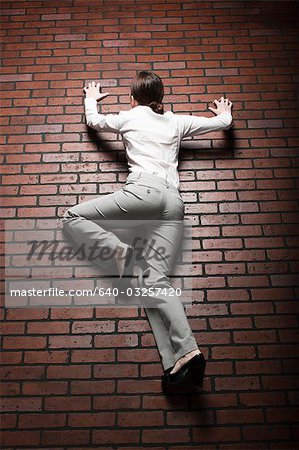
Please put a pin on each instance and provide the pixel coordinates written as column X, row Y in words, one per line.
column 197, row 371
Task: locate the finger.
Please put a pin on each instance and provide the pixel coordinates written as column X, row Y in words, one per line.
column 85, row 89
column 216, row 102
column 98, row 86
column 105, row 94
column 93, row 84
column 212, row 109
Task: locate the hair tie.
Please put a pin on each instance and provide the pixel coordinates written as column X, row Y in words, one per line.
column 157, row 107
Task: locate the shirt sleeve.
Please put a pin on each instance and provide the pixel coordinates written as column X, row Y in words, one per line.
column 100, row 122
column 192, row 125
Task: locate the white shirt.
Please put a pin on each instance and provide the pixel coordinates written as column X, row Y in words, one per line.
column 152, row 140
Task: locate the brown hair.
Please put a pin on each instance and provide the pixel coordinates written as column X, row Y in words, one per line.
column 147, row 89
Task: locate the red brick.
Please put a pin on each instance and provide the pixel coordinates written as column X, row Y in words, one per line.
column 67, row 372
column 21, row 404
column 42, row 420
column 237, row 383
column 267, row 432
column 8, row 421
column 115, row 436
column 216, row 434
column 67, row 403
column 123, row 340
column 8, row 389
column 44, row 128
column 241, row 416
column 91, row 420
column 70, row 341
column 93, row 387
column 92, row 355
column 189, row 418
column 116, row 371
column 66, row 437
column 45, row 357
column 24, row 437
column 165, row 435
column 44, row 388
column 24, row 342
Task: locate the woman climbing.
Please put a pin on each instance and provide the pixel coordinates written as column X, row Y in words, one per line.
column 152, row 140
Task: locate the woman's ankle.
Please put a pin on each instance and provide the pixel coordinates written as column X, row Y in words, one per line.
column 184, row 359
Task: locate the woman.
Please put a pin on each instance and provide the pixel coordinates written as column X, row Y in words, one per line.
column 152, row 139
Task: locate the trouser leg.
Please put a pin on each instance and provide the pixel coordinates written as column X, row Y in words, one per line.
column 167, row 316
column 82, row 222
column 166, row 312
column 161, row 336
column 89, row 223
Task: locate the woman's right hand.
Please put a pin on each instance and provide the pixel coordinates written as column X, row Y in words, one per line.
column 223, row 105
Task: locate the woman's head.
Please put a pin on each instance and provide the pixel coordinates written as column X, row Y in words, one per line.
column 147, row 89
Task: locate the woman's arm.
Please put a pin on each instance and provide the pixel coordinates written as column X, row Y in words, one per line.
column 193, row 125
column 99, row 122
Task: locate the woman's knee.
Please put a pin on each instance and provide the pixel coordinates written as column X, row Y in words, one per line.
column 69, row 214
column 155, row 278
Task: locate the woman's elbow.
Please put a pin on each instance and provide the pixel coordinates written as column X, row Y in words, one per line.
column 92, row 123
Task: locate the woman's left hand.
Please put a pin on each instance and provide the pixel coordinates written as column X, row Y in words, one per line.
column 94, row 91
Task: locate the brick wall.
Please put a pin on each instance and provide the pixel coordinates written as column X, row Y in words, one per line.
column 61, row 385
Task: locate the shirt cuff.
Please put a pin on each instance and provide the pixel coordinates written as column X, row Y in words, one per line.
column 225, row 112
column 229, row 117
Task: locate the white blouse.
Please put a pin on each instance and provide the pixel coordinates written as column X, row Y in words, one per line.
column 152, row 140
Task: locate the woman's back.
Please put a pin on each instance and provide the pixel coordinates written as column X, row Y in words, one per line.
column 152, row 140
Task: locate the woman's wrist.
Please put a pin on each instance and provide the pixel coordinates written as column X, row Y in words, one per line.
column 91, row 96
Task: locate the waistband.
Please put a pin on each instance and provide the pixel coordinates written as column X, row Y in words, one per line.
column 151, row 178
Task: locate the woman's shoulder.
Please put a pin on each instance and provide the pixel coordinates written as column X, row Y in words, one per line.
column 140, row 111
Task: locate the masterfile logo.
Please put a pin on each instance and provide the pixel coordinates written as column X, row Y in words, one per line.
column 45, row 267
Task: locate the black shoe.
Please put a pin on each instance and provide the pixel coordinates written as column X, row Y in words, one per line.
column 181, row 377
column 171, row 386
column 189, row 375
column 181, row 374
column 166, row 372
column 197, row 370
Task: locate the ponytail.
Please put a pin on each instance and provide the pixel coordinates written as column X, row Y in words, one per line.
column 157, row 107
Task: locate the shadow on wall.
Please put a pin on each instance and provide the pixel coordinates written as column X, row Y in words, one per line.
column 115, row 148
column 280, row 13
column 222, row 148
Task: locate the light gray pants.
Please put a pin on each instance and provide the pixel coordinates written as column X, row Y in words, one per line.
column 145, row 196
